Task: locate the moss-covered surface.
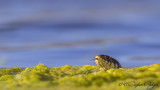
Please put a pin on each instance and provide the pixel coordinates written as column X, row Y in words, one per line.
column 87, row 77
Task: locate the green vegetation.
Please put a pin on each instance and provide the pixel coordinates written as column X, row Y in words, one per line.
column 80, row 78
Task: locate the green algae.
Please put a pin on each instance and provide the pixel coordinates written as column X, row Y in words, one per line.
column 84, row 77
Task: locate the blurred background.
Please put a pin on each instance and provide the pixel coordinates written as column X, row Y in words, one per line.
column 60, row 32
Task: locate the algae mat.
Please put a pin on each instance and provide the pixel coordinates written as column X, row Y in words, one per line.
column 87, row 77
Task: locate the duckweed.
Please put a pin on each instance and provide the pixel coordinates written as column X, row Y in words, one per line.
column 84, row 77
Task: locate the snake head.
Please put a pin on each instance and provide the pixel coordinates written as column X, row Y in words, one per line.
column 106, row 62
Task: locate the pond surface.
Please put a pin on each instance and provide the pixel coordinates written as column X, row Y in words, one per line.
column 59, row 33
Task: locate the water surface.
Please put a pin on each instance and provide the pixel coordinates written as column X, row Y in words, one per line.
column 59, row 33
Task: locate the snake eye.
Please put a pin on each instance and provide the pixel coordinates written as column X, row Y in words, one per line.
column 96, row 58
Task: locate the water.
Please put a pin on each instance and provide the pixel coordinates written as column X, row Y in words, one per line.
column 59, row 33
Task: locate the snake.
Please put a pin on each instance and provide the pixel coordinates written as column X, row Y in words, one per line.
column 106, row 62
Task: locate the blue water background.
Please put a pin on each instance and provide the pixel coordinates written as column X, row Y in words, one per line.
column 56, row 33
